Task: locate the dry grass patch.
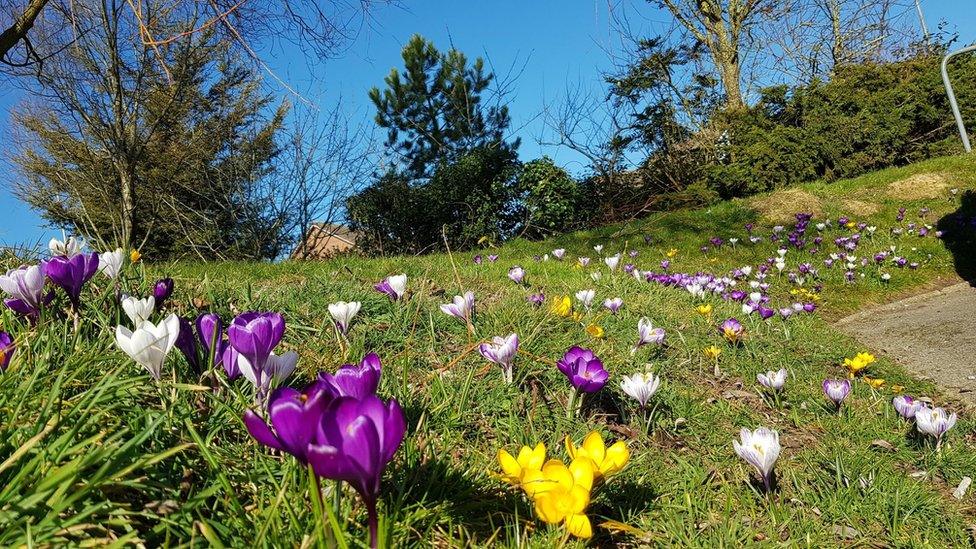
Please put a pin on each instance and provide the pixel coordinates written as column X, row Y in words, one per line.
column 860, row 207
column 919, row 186
column 781, row 206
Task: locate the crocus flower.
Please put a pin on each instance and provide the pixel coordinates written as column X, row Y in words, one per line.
column 6, row 350
column 858, row 363
column 773, row 380
column 138, row 310
column 598, row 248
column 149, row 343
column 586, row 297
column 356, row 381
column 342, row 313
column 640, row 386
column 253, row 336
column 606, row 461
column 501, row 351
column 559, row 253
column 477, row 259
column 612, row 261
column 732, row 330
column 584, row 261
column 536, row 299
column 759, row 448
column 187, row 344
column 526, row 467
column 354, row 442
column 72, row 273
column 562, row 306
column 934, row 422
column 393, row 286
column 68, row 248
column 461, row 308
column 566, row 495
column 211, row 333
column 613, row 305
column 516, row 274
column 25, row 285
column 110, row 263
column 647, row 333
column 583, row 369
column 294, row 416
column 906, row 406
column 162, row 289
column 837, row 390
column 711, row 352
column 493, row 257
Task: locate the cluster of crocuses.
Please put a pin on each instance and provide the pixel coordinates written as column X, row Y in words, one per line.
column 929, row 420
column 561, row 493
column 338, row 427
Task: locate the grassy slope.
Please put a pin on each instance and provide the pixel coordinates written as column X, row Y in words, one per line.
column 683, row 486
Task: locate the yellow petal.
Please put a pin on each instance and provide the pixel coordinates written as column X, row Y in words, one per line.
column 510, row 468
column 570, row 447
column 536, row 458
column 617, row 457
column 547, row 509
column 555, row 471
column 595, row 448
column 579, row 526
column 577, row 499
column 534, row 483
column 583, row 471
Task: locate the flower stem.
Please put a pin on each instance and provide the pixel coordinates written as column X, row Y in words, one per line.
column 373, row 519
column 571, row 404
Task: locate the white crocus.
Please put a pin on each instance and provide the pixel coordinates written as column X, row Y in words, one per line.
column 110, row 263
column 598, row 248
column 586, row 297
column 343, row 312
column 277, row 368
column 68, row 247
column 138, row 310
column 934, row 422
column 25, row 284
column 759, row 448
column 773, row 380
column 640, row 386
column 558, row 253
column 612, row 261
column 149, row 343
column 398, row 283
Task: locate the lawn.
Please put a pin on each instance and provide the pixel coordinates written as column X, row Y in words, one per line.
column 94, row 451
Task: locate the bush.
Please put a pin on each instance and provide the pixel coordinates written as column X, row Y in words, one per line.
column 551, row 199
column 465, row 200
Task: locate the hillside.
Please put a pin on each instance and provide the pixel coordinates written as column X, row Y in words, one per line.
column 92, row 450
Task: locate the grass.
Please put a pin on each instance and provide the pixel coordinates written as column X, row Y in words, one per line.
column 92, row 452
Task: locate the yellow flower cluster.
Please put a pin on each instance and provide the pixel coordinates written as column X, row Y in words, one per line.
column 858, row 363
column 805, row 294
column 559, row 492
column 704, row 310
column 561, row 306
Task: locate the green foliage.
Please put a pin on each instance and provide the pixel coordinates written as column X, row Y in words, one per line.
column 435, row 111
column 866, row 117
column 464, row 200
column 552, row 199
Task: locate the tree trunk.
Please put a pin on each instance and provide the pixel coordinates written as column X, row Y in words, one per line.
column 128, row 208
column 18, row 31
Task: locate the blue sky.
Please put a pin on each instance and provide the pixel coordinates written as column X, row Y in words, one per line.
column 550, row 43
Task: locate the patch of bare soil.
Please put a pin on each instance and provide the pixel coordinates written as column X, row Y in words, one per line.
column 931, row 335
column 919, row 186
column 781, row 206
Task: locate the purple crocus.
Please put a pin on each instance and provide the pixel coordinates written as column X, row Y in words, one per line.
column 294, row 416
column 71, row 274
column 210, row 331
column 732, row 330
column 906, row 406
column 517, row 274
column 253, row 335
column 354, row 442
column 477, row 259
column 6, row 350
column 462, row 307
column 501, row 351
column 583, row 369
column 357, row 381
column 493, row 257
column 393, row 286
column 187, row 344
column 162, row 289
column 837, row 390
column 537, row 299
column 25, row 286
column 613, row 305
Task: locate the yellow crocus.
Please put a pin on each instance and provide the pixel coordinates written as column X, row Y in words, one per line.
column 672, row 252
column 134, row 256
column 565, row 495
column 874, row 382
column 577, row 316
column 711, row 352
column 705, row 309
column 851, row 224
column 562, row 306
column 897, row 388
column 858, row 363
column 595, row 330
column 606, row 461
column 515, row 469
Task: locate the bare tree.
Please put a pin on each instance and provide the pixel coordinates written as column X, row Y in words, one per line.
column 326, row 159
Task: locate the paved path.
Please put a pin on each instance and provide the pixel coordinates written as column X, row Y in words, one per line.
column 933, row 335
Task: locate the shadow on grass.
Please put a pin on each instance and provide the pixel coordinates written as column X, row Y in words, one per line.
column 440, row 495
column 959, row 236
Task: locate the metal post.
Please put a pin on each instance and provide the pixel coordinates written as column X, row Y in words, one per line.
column 921, row 19
column 952, row 96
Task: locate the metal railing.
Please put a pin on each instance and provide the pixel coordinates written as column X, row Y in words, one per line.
column 952, row 96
